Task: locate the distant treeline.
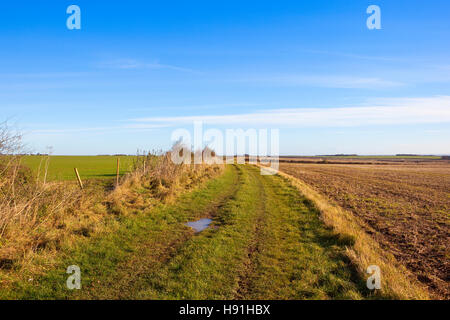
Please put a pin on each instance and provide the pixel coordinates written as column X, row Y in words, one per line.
column 414, row 155
column 337, row 155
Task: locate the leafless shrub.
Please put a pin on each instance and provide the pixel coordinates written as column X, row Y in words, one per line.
column 10, row 143
column 10, row 172
column 162, row 177
column 24, row 202
column 35, row 216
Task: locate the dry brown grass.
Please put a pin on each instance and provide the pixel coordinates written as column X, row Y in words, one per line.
column 156, row 178
column 37, row 219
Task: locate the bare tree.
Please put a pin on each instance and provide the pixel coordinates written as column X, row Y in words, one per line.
column 10, row 142
column 10, row 147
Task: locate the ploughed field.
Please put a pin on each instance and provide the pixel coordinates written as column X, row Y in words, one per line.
column 404, row 205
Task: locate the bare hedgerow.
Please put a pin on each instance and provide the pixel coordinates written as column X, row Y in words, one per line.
column 164, row 178
column 26, row 204
column 37, row 218
column 12, row 176
column 10, row 143
column 10, row 146
column 161, row 178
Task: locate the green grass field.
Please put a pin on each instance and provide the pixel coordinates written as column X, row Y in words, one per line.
column 89, row 167
column 104, row 167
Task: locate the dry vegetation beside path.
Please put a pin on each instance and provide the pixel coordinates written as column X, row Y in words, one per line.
column 37, row 219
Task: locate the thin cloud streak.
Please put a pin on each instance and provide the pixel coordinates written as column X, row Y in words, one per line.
column 385, row 112
column 44, row 75
column 136, row 126
column 355, row 56
column 135, row 64
column 324, row 81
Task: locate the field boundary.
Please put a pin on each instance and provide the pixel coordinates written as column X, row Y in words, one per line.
column 397, row 281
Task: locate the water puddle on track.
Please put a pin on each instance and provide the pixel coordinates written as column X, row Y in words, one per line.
column 199, row 225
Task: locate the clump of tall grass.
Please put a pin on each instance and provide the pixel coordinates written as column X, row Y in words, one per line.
column 30, row 210
column 15, row 180
column 160, row 179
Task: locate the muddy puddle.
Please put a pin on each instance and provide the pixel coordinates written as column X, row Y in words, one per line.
column 199, row 225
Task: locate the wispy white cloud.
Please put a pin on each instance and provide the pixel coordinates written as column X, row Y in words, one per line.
column 128, row 127
column 381, row 112
column 135, row 64
column 43, row 75
column 213, row 106
column 71, row 130
column 444, row 67
column 144, row 126
column 324, row 81
column 354, row 56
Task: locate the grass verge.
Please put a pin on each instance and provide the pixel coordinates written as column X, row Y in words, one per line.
column 397, row 281
column 113, row 260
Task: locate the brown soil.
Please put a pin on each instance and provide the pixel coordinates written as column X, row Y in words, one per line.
column 405, row 208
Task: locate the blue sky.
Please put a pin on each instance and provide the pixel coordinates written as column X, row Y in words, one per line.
column 136, row 71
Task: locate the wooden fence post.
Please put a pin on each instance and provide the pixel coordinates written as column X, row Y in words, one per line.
column 80, row 183
column 117, row 172
column 46, row 169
